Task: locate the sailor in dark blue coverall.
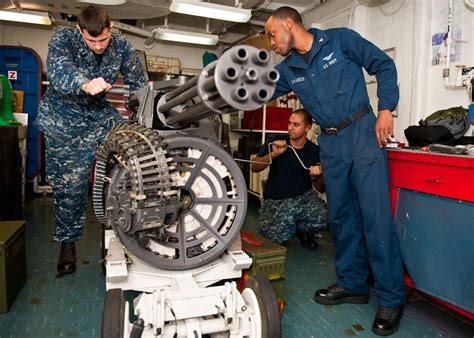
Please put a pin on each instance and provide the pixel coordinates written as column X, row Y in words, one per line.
column 324, row 69
column 75, row 117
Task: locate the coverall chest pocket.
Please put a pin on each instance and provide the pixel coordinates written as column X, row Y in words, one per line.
column 333, row 79
column 302, row 90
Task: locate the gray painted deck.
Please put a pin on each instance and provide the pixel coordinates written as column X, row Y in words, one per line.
column 71, row 306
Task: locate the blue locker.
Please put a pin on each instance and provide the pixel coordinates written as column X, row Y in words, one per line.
column 27, row 63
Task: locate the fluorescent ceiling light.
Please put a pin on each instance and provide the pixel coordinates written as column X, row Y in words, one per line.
column 104, row 2
column 187, row 37
column 210, row 10
column 36, row 17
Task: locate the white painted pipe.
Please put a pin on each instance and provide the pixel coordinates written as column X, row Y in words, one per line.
column 469, row 4
column 449, row 41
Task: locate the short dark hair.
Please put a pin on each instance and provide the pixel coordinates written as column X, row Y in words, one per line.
column 94, row 19
column 307, row 119
column 287, row 12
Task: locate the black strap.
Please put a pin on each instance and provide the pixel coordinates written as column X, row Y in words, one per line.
column 346, row 121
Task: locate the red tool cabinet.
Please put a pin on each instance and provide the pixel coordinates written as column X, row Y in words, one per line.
column 432, row 198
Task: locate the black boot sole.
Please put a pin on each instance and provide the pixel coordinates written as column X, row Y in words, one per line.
column 64, row 271
column 385, row 332
column 364, row 299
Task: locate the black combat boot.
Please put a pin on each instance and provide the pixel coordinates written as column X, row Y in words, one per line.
column 67, row 258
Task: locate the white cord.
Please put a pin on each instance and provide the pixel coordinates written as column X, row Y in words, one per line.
column 294, row 150
column 296, row 154
column 270, row 157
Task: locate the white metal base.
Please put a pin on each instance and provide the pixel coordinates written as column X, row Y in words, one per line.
column 182, row 303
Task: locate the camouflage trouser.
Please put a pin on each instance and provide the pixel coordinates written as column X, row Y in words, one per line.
column 68, row 166
column 279, row 219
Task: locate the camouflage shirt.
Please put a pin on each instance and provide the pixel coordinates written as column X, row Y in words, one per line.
column 65, row 110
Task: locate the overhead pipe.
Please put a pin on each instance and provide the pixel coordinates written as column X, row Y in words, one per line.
column 469, row 4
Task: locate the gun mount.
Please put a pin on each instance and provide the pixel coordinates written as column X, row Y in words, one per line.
column 178, row 201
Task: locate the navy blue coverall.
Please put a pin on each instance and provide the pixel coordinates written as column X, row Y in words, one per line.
column 74, row 123
column 331, row 86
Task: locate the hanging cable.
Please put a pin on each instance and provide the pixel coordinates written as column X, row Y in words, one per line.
column 354, row 4
column 393, row 12
column 16, row 4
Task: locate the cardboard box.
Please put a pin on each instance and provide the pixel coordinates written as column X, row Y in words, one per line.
column 23, row 119
column 17, row 101
column 12, row 262
column 162, row 64
column 261, row 42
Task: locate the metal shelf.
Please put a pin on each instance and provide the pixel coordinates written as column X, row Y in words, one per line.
column 254, row 193
column 259, row 131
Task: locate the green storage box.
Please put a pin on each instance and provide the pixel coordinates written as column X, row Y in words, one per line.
column 268, row 260
column 12, row 262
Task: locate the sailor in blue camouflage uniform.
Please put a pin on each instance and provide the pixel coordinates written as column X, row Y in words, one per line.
column 74, row 116
column 290, row 205
column 324, row 69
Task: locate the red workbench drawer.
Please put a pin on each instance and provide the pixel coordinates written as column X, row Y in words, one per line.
column 438, row 174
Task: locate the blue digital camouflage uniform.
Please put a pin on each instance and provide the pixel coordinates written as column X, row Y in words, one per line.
column 74, row 123
column 280, row 219
column 331, row 86
column 290, row 205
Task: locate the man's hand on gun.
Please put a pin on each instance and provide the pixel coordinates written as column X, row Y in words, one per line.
column 96, row 86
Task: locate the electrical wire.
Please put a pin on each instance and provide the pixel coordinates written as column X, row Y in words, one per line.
column 393, row 12
column 16, row 4
column 354, row 4
column 168, row 304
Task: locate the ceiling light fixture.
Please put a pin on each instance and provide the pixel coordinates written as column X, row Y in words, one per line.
column 186, row 37
column 104, row 2
column 210, row 10
column 36, row 17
